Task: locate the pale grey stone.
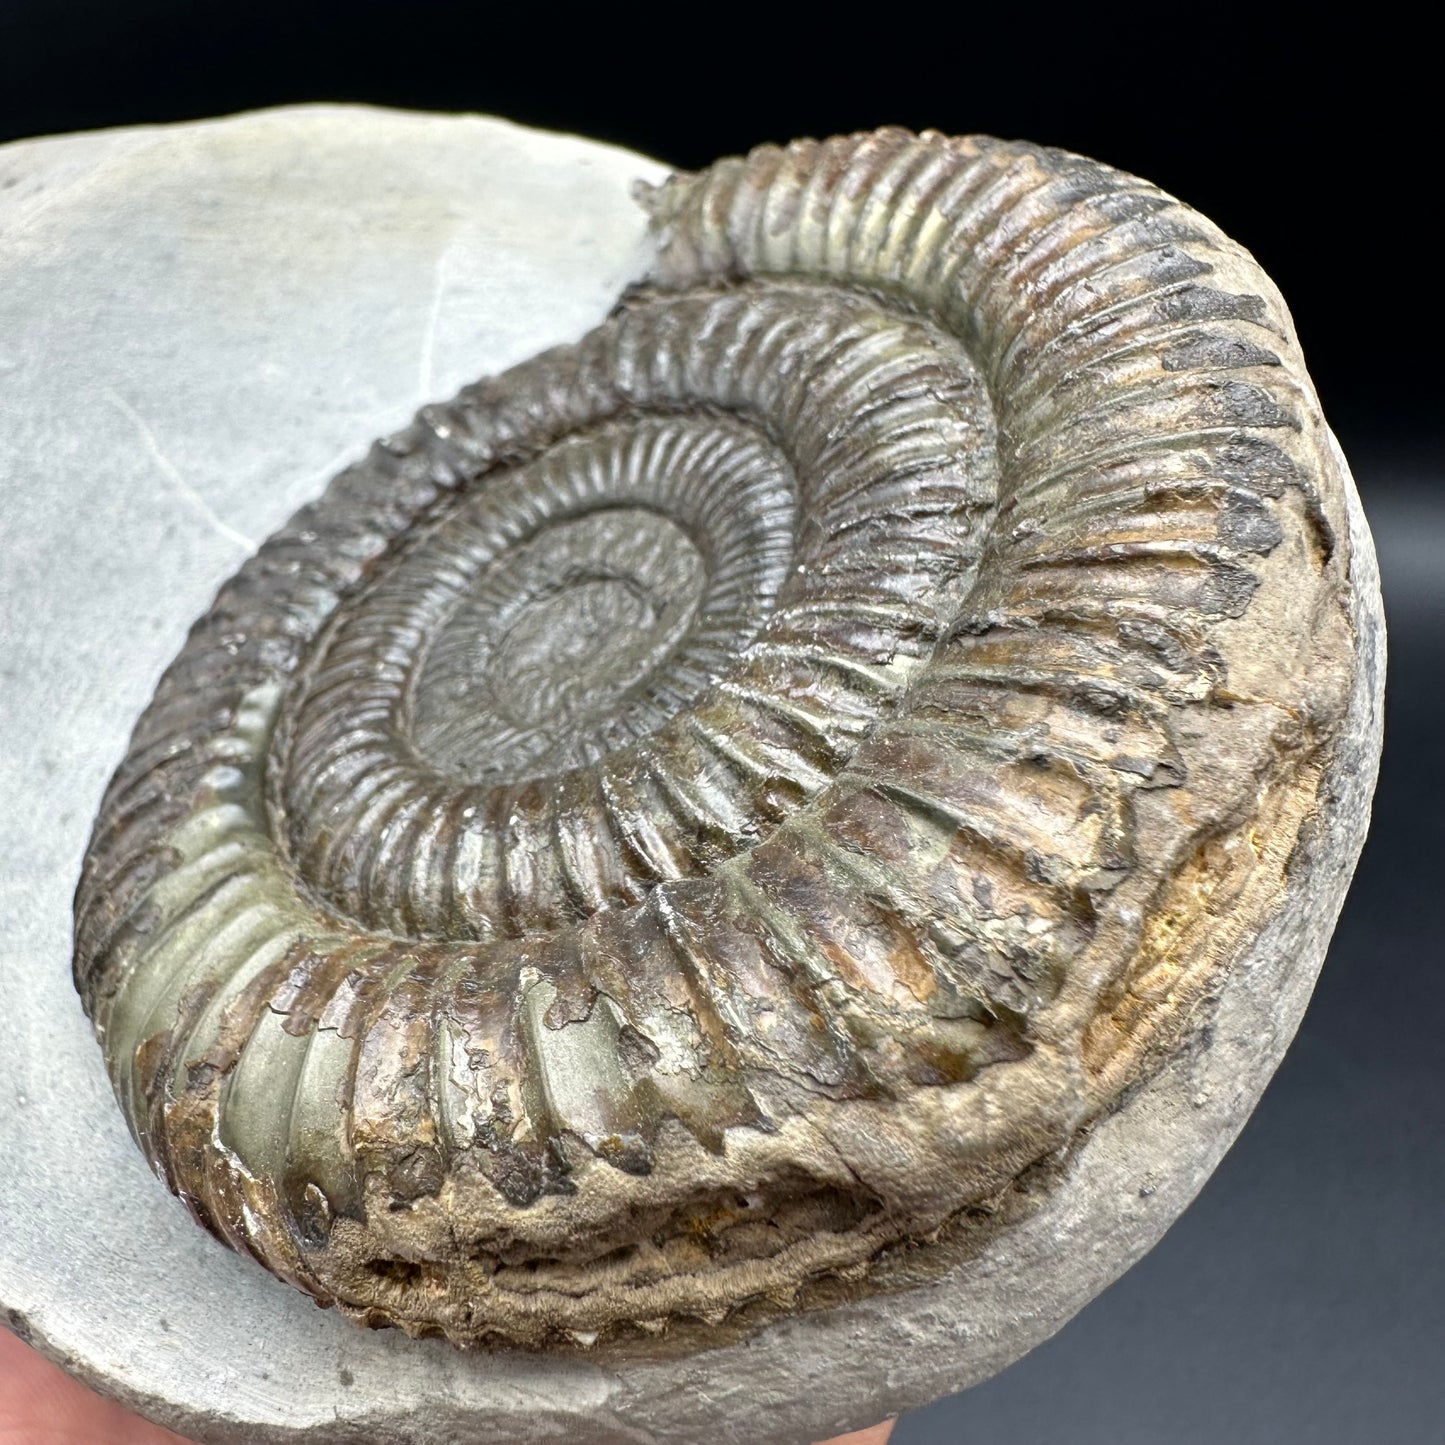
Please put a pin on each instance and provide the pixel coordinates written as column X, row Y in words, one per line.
column 198, row 325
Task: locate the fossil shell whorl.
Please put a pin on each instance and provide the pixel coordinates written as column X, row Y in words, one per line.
column 721, row 799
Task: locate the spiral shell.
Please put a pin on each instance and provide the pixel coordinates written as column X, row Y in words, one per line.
column 718, row 803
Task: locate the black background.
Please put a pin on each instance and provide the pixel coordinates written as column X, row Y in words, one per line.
column 1302, row 1298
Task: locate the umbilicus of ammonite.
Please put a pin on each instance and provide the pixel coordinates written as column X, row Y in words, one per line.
column 713, row 809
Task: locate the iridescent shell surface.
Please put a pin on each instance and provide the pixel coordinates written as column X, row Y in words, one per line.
column 716, row 807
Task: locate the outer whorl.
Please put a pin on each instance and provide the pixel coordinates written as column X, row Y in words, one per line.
column 713, row 807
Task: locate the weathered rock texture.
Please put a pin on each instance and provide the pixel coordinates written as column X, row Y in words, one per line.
column 712, row 806
column 783, row 839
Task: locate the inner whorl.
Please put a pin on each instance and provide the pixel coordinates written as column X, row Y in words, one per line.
column 721, row 801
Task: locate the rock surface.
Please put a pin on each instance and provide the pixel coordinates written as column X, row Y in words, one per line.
column 217, row 317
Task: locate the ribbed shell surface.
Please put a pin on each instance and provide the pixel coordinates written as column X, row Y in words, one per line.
column 701, row 815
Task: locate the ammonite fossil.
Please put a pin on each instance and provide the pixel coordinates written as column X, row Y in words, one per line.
column 715, row 811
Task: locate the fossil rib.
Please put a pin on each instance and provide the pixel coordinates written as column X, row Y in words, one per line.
column 724, row 798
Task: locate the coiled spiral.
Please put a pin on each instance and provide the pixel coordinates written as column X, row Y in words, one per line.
column 709, row 808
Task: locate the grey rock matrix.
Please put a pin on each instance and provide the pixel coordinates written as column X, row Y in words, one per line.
column 762, row 856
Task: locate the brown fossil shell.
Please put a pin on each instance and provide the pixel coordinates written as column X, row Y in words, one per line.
column 715, row 805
